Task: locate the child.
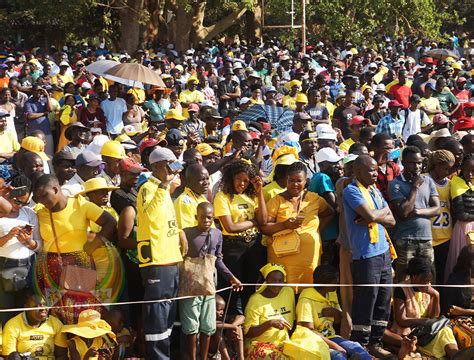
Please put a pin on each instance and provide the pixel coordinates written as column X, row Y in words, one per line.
column 198, row 314
column 318, row 309
column 124, row 339
column 218, row 344
column 91, row 338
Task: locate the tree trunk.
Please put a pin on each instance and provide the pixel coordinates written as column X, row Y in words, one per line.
column 130, row 28
column 256, row 20
column 209, row 32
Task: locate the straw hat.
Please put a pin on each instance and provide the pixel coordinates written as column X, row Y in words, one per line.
column 97, row 184
column 89, row 326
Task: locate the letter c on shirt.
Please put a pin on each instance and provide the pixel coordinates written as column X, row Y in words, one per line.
column 141, row 244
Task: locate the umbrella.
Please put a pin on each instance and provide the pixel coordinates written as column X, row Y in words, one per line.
column 442, row 54
column 136, row 72
column 280, row 118
column 101, row 66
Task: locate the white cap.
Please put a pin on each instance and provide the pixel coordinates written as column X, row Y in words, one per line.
column 254, row 74
column 96, row 145
column 86, row 85
column 326, row 132
column 244, row 101
column 327, row 154
column 373, row 65
column 63, row 63
column 238, row 65
column 161, row 154
column 380, row 87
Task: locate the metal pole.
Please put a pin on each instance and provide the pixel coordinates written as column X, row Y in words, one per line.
column 292, row 13
column 263, row 18
column 303, row 25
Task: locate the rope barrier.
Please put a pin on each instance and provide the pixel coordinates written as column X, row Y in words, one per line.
column 231, row 287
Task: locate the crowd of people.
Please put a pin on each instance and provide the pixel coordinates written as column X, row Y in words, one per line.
column 339, row 165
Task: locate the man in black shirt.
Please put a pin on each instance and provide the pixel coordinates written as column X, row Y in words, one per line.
column 228, row 92
column 375, row 114
column 344, row 113
column 127, row 194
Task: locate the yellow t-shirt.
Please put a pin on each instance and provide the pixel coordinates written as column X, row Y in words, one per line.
column 310, row 305
column 93, row 227
column 60, row 80
column 19, row 336
column 8, row 143
column 346, row 145
column 104, row 82
column 71, row 225
column 82, row 347
column 157, row 229
column 138, row 94
column 188, row 96
column 185, row 207
column 430, row 104
column 260, row 309
column 289, row 102
column 330, row 108
column 240, row 208
column 442, row 224
column 271, row 190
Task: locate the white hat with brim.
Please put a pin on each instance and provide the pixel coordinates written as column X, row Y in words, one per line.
column 327, row 154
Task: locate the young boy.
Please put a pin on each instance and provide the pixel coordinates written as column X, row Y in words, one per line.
column 218, row 344
column 198, row 314
column 318, row 309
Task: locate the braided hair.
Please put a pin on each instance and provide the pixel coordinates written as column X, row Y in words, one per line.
column 440, row 157
column 236, row 167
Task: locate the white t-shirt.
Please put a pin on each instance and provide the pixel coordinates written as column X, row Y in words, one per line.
column 414, row 121
column 113, row 111
column 13, row 249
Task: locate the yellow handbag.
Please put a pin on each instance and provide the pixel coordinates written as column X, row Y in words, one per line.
column 286, row 242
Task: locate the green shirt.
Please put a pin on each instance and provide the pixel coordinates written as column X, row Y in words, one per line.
column 446, row 99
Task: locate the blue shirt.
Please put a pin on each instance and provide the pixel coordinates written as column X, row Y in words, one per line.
column 359, row 238
column 41, row 123
column 320, row 184
column 157, row 111
column 415, row 227
column 391, row 126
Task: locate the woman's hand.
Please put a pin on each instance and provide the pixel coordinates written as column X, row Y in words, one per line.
column 257, row 183
column 14, row 232
column 279, row 324
column 236, row 284
column 24, row 236
column 293, row 223
column 429, row 290
column 332, row 312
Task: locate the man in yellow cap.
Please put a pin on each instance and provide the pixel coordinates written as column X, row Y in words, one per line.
column 112, row 152
column 301, row 100
column 174, row 119
column 190, row 95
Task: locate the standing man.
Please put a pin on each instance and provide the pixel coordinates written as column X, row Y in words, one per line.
column 158, row 246
column 415, row 201
column 367, row 215
column 345, row 112
column 228, row 92
column 307, row 155
column 114, row 108
column 401, row 92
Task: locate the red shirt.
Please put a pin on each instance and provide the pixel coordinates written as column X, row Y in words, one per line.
column 402, row 94
column 463, row 96
column 392, row 170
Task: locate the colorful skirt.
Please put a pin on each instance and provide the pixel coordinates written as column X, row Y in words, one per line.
column 259, row 350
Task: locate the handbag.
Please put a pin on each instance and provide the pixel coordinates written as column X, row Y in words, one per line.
column 196, row 274
column 14, row 279
column 73, row 277
column 286, row 242
column 427, row 332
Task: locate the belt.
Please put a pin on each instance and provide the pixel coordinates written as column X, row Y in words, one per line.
column 6, row 263
column 246, row 239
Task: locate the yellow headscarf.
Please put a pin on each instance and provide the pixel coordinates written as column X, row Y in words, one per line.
column 267, row 269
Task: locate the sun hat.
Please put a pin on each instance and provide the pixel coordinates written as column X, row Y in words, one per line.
column 113, row 149
column 327, row 154
column 70, row 128
column 35, row 145
column 97, row 183
column 175, row 114
column 89, row 326
column 161, row 154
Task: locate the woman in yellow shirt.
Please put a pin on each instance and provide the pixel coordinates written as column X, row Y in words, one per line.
column 269, row 316
column 440, row 163
column 304, row 213
column 67, row 116
column 63, row 224
column 240, row 208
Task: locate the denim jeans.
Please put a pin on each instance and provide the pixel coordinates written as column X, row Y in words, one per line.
column 371, row 305
column 407, row 250
column 352, row 348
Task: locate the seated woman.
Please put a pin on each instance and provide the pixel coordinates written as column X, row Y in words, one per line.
column 33, row 331
column 457, row 301
column 91, row 338
column 269, row 316
column 318, row 309
column 297, row 211
column 414, row 306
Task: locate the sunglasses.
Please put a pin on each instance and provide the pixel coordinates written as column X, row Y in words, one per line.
column 20, row 203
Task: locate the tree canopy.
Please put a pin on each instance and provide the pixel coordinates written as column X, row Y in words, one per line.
column 126, row 24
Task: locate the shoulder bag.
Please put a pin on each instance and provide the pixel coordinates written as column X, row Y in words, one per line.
column 427, row 332
column 73, row 277
column 196, row 274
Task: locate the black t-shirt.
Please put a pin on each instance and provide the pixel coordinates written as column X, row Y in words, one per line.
column 343, row 115
column 375, row 116
column 120, row 199
column 398, row 293
column 458, row 296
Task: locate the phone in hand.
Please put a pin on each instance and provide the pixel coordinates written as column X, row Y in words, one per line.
column 28, row 227
column 176, row 166
column 394, row 154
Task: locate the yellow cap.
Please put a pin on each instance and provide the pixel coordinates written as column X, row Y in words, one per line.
column 175, row 114
column 292, row 83
column 239, row 125
column 456, row 66
column 122, row 137
column 97, row 184
column 192, row 78
column 113, row 149
column 449, row 59
column 35, row 145
column 205, row 149
column 301, row 98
